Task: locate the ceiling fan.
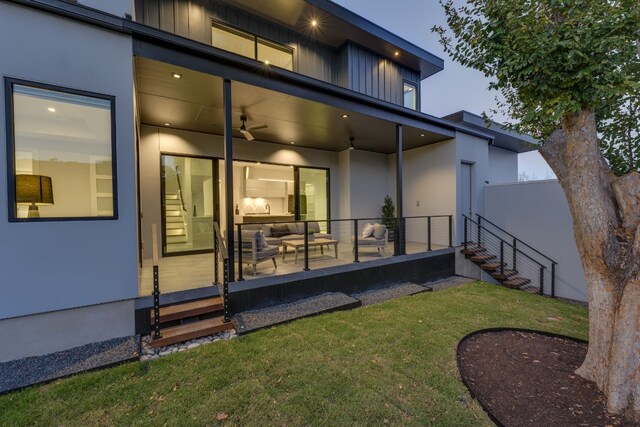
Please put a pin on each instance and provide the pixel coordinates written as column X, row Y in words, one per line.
column 246, row 130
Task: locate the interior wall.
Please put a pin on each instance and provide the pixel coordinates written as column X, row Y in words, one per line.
column 503, row 166
column 54, row 265
column 155, row 140
column 537, row 212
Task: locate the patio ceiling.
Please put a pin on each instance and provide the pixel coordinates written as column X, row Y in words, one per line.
column 194, row 102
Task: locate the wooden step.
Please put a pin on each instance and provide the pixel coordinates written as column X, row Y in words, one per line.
column 172, row 201
column 171, row 197
column 174, row 225
column 473, row 250
column 490, row 266
column 171, row 240
column 189, row 331
column 189, row 309
column 504, row 275
column 482, row 258
column 516, row 282
column 171, row 208
column 177, row 213
column 175, row 232
column 174, row 220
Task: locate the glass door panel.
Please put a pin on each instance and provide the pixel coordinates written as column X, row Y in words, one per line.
column 188, row 204
column 313, row 200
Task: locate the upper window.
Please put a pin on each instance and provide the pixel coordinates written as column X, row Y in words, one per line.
column 410, row 95
column 250, row 46
column 61, row 156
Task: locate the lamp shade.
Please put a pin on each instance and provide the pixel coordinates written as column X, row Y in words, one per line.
column 34, row 189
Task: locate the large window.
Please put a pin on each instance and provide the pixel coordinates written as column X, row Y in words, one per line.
column 250, row 46
column 410, row 91
column 61, row 153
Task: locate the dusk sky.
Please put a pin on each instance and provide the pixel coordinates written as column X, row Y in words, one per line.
column 453, row 89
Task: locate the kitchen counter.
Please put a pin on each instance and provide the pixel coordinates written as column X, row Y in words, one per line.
column 248, row 219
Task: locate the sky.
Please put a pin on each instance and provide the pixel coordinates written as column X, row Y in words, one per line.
column 453, row 89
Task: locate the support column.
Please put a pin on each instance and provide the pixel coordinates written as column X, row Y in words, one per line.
column 228, row 175
column 399, row 248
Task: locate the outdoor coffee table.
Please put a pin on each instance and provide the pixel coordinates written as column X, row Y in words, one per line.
column 299, row 244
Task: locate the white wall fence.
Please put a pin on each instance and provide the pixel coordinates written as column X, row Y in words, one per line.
column 537, row 213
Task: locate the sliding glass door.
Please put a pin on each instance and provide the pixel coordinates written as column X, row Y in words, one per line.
column 313, row 199
column 189, row 204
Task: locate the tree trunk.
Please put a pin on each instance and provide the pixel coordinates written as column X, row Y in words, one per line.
column 606, row 226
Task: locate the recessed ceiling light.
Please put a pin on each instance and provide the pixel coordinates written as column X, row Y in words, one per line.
column 167, row 124
column 51, row 110
column 397, row 53
column 176, row 75
column 266, row 62
column 344, row 116
column 293, row 142
column 422, row 134
column 314, row 23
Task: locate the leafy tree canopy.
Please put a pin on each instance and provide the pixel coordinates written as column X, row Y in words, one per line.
column 551, row 58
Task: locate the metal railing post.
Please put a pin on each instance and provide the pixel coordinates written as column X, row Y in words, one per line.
column 479, row 229
column 429, row 233
column 306, row 246
column 215, row 259
column 553, row 279
column 240, row 278
column 450, row 231
column 356, row 236
column 156, row 283
column 541, row 280
column 225, row 291
column 403, row 242
column 502, row 257
column 514, row 254
column 466, row 232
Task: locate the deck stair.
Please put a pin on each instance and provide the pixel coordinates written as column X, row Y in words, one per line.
column 175, row 224
column 190, row 320
column 480, row 256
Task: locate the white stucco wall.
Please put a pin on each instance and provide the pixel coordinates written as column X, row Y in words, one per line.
column 54, row 265
column 503, row 166
column 537, row 212
column 369, row 177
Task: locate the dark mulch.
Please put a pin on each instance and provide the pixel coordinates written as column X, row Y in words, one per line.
column 528, row 379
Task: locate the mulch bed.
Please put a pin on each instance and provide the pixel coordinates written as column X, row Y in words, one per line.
column 524, row 378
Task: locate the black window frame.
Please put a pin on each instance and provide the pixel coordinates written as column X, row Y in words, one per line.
column 9, row 84
column 416, row 88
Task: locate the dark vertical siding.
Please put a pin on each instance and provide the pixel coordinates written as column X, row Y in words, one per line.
column 376, row 76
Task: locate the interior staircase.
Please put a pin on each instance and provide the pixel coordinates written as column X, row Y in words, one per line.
column 502, row 273
column 189, row 320
column 176, row 231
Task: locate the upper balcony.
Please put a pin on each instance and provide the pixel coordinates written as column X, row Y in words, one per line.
column 316, row 38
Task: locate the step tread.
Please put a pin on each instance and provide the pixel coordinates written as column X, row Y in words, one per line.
column 181, row 333
column 189, row 309
column 482, row 258
column 506, row 274
column 490, row 266
column 516, row 282
column 473, row 251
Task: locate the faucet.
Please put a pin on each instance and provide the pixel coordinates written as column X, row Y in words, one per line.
column 268, row 208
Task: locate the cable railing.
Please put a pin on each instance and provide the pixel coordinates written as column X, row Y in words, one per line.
column 508, row 255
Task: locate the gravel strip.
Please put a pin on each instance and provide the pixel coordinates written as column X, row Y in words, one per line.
column 381, row 295
column 449, row 282
column 150, row 353
column 21, row 373
column 249, row 321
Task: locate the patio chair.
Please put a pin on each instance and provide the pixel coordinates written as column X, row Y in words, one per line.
column 256, row 250
column 377, row 237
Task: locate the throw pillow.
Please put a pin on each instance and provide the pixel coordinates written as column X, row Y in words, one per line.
column 314, row 227
column 292, row 227
column 280, row 230
column 267, row 229
column 378, row 231
column 367, row 231
column 262, row 241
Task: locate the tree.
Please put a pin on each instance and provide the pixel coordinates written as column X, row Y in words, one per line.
column 388, row 213
column 557, row 63
column 620, row 134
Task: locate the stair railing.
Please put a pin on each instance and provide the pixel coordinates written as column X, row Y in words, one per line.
column 156, row 282
column 468, row 222
column 181, row 198
column 516, row 240
column 221, row 254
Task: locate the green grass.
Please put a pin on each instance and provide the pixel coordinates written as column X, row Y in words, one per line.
column 388, row 363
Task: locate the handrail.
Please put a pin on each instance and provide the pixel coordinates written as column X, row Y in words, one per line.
column 180, row 188
column 504, row 241
column 517, row 239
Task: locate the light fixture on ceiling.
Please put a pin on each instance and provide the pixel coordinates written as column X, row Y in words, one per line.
column 351, row 146
column 266, row 62
column 293, row 142
column 344, row 116
column 422, row 135
column 167, row 124
column 51, row 110
column 396, row 53
column 314, row 23
column 176, row 76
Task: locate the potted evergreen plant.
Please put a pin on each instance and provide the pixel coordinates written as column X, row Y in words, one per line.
column 388, row 216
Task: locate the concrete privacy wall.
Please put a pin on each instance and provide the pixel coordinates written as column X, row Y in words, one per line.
column 154, row 141
column 54, row 265
column 503, row 166
column 537, row 212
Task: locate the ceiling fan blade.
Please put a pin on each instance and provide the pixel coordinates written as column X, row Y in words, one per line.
column 257, row 126
column 247, row 134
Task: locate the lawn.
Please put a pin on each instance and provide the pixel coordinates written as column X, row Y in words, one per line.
column 388, row 363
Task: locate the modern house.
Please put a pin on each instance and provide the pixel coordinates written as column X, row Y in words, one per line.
column 124, row 117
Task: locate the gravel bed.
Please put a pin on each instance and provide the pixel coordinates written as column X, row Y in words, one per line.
column 449, row 282
column 21, row 373
column 249, row 321
column 380, row 295
column 150, row 353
